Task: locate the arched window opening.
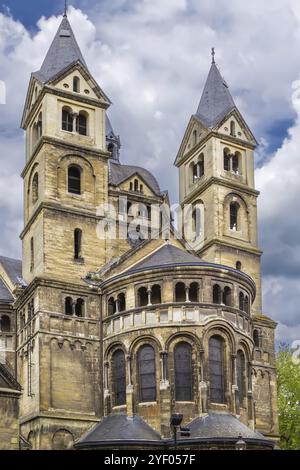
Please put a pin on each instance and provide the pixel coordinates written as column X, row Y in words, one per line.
column 232, row 128
column 35, row 188
column 67, row 120
column 234, row 210
column 195, row 173
column 119, row 378
column 142, row 297
column 31, row 254
column 149, row 212
column 180, row 292
column 81, row 121
column 40, row 126
column 217, row 294
column 156, row 295
column 122, row 302
column 227, row 296
column 74, row 180
column 136, row 185
column 5, row 324
column 194, row 292
column 79, row 308
column 76, row 84
column 241, row 376
column 195, row 137
column 141, row 188
column 216, row 369
column 147, row 374
column 110, row 147
column 111, row 306
column 236, row 163
column 241, row 301
column 69, row 306
column 183, row 372
column 196, row 221
column 77, row 244
column 226, row 160
column 256, row 338
column 131, row 187
column 238, row 265
column 200, row 166
column 246, row 304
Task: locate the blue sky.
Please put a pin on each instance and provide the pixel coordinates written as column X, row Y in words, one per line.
column 152, row 58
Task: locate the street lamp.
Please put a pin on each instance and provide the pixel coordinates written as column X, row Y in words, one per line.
column 175, row 423
column 240, row 444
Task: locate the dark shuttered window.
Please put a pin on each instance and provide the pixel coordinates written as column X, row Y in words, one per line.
column 216, row 369
column 119, row 377
column 183, row 372
column 147, row 374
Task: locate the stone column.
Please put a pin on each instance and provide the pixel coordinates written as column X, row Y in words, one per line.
column 75, row 115
column 149, row 296
column 107, row 404
column 187, row 294
column 250, row 403
column 129, row 388
column 203, row 405
column 235, row 390
column 165, row 398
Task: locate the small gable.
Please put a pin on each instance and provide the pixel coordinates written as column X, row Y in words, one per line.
column 235, row 126
column 77, row 83
column 194, row 134
column 136, row 184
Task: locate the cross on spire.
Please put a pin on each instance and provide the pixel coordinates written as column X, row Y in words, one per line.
column 213, row 55
column 66, row 6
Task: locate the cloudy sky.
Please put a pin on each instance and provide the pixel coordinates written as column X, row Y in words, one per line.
column 152, row 57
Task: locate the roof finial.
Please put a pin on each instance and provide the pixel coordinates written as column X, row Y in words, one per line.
column 66, row 6
column 213, row 55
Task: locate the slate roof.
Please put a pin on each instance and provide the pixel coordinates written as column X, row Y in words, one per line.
column 216, row 100
column 5, row 295
column 119, row 427
column 13, row 268
column 63, row 52
column 119, row 173
column 167, row 255
column 221, row 425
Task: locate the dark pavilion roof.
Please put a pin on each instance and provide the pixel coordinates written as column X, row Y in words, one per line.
column 220, row 426
column 63, row 52
column 216, row 100
column 119, row 173
column 119, row 428
column 5, row 295
column 167, row 255
column 13, row 268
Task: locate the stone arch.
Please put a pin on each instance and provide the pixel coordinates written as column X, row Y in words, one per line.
column 222, row 328
column 145, row 339
column 112, row 348
column 62, row 439
column 175, row 338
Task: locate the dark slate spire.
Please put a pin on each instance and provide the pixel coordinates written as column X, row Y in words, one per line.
column 216, row 100
column 63, row 51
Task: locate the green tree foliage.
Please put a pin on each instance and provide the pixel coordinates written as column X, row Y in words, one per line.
column 288, row 399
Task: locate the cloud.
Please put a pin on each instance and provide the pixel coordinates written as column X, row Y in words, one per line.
column 152, row 59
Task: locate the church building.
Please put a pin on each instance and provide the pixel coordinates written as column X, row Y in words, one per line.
column 103, row 339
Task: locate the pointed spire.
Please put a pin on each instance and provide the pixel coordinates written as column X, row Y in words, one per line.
column 216, row 100
column 63, row 51
column 66, row 7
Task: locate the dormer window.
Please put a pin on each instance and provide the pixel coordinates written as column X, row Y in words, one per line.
column 76, row 85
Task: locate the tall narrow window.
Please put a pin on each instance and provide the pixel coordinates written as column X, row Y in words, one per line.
column 194, row 292
column 227, row 296
column 156, row 295
column 82, row 123
column 183, row 372
column 77, row 243
column 74, row 180
column 35, row 188
column 180, row 292
column 76, row 85
column 195, row 137
column 234, row 209
column 217, row 294
column 216, row 369
column 136, row 185
column 69, row 306
column 31, row 254
column 122, row 302
column 119, row 378
column 238, row 265
column 195, row 173
column 232, row 128
column 241, row 301
column 226, row 160
column 40, row 126
column 235, row 163
column 147, row 374
column 5, row 325
column 142, row 297
column 111, row 305
column 79, row 308
column 246, row 304
column 67, row 120
column 240, row 366
column 256, row 338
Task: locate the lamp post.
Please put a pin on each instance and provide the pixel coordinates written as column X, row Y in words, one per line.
column 240, row 444
column 175, row 423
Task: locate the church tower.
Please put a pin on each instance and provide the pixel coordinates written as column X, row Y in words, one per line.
column 65, row 181
column 216, row 167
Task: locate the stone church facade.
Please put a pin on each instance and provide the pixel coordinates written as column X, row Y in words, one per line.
column 103, row 338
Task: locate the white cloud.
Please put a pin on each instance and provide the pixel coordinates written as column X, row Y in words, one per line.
column 152, row 58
